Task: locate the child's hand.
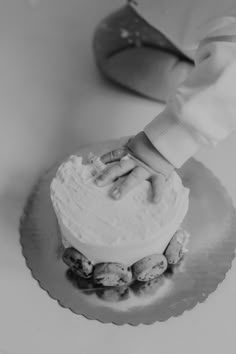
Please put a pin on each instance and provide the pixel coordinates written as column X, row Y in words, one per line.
column 145, row 163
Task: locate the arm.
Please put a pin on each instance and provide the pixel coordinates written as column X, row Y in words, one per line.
column 202, row 111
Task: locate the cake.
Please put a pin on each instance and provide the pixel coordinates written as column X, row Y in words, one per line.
column 110, row 239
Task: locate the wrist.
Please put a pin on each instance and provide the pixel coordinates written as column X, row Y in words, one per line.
column 143, row 149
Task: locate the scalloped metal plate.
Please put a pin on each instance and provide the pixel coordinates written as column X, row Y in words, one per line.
column 211, row 222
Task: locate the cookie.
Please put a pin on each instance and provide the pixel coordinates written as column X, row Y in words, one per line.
column 149, row 267
column 112, row 274
column 78, row 263
column 177, row 247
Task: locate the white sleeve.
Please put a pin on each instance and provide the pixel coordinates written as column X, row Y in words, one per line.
column 202, row 110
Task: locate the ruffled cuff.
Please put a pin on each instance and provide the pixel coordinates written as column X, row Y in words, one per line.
column 171, row 138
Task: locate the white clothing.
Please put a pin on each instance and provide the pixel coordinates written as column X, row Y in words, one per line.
column 202, row 110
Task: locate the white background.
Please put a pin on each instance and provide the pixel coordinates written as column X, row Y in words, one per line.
column 51, row 102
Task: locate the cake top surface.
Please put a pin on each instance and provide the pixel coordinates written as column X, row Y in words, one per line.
column 95, row 218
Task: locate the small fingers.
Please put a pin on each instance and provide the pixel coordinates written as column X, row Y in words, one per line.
column 115, row 171
column 114, row 155
column 158, row 185
column 137, row 175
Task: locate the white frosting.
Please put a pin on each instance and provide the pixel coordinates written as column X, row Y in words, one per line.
column 108, row 230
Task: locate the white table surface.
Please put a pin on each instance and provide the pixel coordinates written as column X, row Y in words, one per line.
column 51, row 102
